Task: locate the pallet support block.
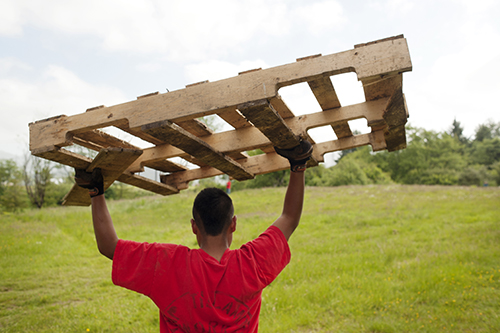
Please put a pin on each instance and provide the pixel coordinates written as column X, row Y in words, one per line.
column 250, row 102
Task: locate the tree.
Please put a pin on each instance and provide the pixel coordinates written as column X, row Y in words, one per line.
column 489, row 130
column 485, row 152
column 456, row 131
column 431, row 158
column 11, row 195
column 37, row 176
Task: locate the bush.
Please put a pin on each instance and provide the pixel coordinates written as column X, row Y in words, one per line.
column 474, row 175
column 347, row 172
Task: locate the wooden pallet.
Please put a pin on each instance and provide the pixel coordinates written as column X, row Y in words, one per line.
column 250, row 103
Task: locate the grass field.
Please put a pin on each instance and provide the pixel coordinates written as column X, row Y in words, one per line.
column 364, row 259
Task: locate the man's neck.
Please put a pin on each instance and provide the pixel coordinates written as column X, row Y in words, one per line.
column 215, row 246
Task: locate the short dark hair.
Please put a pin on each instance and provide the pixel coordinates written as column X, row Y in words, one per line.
column 214, row 209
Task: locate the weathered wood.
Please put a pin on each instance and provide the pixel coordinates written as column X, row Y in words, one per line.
column 147, row 184
column 251, row 104
column 326, row 96
column 250, row 138
column 96, row 140
column 234, row 118
column 112, row 162
column 63, row 156
column 396, row 115
column 178, row 137
column 262, row 115
column 195, row 127
column 165, row 166
column 280, row 106
column 196, row 101
column 381, row 87
column 324, row 92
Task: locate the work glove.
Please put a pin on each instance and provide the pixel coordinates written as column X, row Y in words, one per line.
column 93, row 181
column 298, row 155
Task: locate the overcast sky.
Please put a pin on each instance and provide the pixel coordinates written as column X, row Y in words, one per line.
column 62, row 56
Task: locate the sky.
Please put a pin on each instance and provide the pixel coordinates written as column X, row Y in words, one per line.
column 63, row 57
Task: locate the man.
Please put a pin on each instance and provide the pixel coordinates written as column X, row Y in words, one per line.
column 213, row 288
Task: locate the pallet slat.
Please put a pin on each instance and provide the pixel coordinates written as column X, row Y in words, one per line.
column 326, row 96
column 178, row 137
column 263, row 116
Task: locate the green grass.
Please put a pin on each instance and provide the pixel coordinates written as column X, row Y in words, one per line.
column 364, row 259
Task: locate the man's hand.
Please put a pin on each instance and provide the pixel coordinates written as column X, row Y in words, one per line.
column 297, row 156
column 93, row 181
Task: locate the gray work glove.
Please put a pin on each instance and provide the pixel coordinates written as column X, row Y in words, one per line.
column 298, row 155
column 93, row 181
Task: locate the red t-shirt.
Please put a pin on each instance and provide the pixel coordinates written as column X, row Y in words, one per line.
column 195, row 292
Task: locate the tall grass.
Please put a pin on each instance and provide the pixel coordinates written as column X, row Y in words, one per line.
column 364, row 259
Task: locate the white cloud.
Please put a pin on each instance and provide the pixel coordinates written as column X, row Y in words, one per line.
column 182, row 30
column 321, row 16
column 11, row 17
column 11, row 64
column 214, row 70
column 462, row 82
column 399, row 7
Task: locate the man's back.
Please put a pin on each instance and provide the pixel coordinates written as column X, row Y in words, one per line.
column 193, row 290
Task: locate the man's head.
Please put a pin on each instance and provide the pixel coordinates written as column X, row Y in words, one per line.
column 213, row 211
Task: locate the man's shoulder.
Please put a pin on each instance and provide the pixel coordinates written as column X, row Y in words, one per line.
column 130, row 245
column 272, row 237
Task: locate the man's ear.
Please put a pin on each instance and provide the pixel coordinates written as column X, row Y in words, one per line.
column 232, row 226
column 194, row 227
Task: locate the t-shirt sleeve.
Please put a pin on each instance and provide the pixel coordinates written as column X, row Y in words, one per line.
column 134, row 265
column 271, row 253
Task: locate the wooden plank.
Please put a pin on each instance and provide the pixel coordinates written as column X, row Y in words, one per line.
column 147, row 184
column 280, row 106
column 373, row 60
column 96, row 140
column 375, row 139
column 250, row 138
column 178, row 137
column 234, row 118
column 113, row 162
column 165, row 166
column 396, row 115
column 195, row 127
column 326, row 96
column 237, row 155
column 324, row 92
column 263, row 116
column 381, row 87
column 63, row 156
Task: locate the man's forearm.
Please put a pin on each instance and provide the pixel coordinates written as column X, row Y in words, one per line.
column 292, row 207
column 104, row 230
column 294, row 198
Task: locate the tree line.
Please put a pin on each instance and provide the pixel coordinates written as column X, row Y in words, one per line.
column 431, row 158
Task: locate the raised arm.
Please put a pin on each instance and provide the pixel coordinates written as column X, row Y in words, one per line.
column 294, row 197
column 104, row 230
column 292, row 207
